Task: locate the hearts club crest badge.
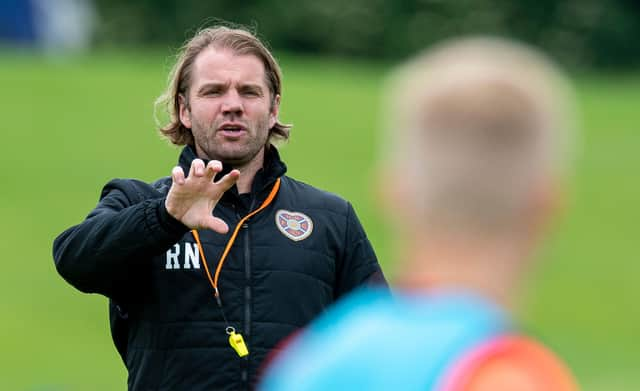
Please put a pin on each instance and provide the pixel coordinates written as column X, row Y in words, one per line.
column 294, row 225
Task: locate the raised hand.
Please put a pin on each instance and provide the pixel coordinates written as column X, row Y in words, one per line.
column 191, row 200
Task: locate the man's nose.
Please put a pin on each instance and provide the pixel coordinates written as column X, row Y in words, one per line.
column 232, row 103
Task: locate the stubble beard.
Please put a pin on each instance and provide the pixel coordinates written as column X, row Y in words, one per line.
column 235, row 153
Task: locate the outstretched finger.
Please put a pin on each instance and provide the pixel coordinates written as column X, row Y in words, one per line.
column 177, row 175
column 227, row 181
column 197, row 168
column 213, row 167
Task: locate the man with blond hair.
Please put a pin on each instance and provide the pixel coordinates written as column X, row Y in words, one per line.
column 209, row 269
column 475, row 150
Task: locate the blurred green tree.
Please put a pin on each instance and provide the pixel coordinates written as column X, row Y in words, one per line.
column 577, row 32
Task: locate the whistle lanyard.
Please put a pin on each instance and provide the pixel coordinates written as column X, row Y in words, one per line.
column 235, row 339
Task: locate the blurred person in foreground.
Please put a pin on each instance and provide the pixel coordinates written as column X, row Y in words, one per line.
column 475, row 152
column 209, row 269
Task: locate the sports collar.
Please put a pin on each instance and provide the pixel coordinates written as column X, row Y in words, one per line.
column 273, row 168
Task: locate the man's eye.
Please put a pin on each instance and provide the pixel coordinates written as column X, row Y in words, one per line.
column 251, row 93
column 212, row 93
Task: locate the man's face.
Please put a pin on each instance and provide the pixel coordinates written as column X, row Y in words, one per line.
column 230, row 109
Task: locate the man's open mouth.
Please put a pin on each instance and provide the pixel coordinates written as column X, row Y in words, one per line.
column 232, row 127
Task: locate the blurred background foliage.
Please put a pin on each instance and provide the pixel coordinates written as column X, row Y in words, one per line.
column 582, row 33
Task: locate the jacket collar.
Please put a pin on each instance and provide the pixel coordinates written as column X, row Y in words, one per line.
column 272, row 169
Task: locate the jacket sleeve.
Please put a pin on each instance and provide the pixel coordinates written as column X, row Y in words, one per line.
column 359, row 265
column 104, row 253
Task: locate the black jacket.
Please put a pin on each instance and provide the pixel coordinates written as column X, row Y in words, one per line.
column 164, row 319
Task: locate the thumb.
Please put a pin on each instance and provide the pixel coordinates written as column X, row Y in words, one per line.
column 216, row 224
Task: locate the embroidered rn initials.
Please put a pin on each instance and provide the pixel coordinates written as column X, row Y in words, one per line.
column 191, row 258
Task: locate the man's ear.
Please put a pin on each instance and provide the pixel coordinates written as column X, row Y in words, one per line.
column 184, row 112
column 392, row 193
column 547, row 203
column 275, row 109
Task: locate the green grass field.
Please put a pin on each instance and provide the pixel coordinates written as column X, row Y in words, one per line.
column 69, row 126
